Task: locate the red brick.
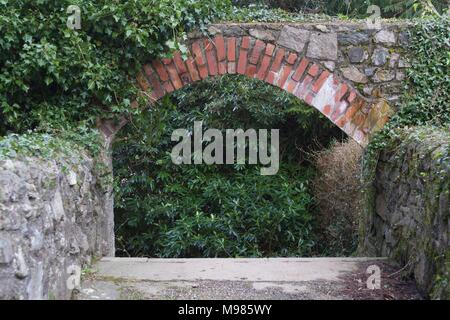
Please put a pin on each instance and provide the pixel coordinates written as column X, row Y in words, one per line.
column 166, row 61
column 341, row 122
column 327, row 110
column 256, row 52
column 300, row 69
column 162, row 73
column 231, row 49
column 208, row 44
column 353, row 108
column 251, row 70
column 192, row 69
column 284, row 75
column 174, row 77
column 352, row 96
column 359, row 119
column 179, row 62
column 231, row 67
column 142, row 81
column 271, row 77
column 309, row 99
column 291, row 85
column 292, row 58
column 222, row 67
column 263, row 67
column 319, row 83
column 341, row 92
column 270, row 48
column 203, row 71
column 220, row 47
column 198, row 53
column 314, row 70
column 279, row 56
column 302, row 89
column 186, row 78
column 168, row 87
column 242, row 63
column 157, row 89
column 212, row 62
column 245, row 44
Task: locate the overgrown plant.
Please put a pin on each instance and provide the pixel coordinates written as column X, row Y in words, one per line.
column 52, row 76
column 167, row 210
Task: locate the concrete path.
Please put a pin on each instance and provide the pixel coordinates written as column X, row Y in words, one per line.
column 277, row 278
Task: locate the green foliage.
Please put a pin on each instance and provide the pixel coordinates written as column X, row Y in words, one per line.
column 53, row 76
column 207, row 211
column 426, row 98
column 354, row 8
column 50, row 147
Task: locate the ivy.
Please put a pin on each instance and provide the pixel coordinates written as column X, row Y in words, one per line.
column 53, row 77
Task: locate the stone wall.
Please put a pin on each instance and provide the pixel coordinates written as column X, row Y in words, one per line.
column 409, row 209
column 348, row 71
column 54, row 217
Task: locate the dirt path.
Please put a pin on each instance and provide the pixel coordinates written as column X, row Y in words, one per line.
column 243, row 279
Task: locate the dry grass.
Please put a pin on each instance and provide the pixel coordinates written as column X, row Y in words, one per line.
column 337, row 188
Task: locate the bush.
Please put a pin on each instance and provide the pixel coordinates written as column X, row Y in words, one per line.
column 337, row 189
column 53, row 76
column 217, row 211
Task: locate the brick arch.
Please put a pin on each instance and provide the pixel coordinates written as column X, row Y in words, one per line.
column 291, row 71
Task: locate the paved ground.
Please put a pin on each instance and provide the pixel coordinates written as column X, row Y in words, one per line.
column 281, row 278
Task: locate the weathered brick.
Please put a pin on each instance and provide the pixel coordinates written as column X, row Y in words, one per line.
column 222, row 67
column 352, row 96
column 256, row 52
column 242, row 63
column 208, row 44
column 203, row 71
column 300, row 69
column 179, row 62
column 286, row 71
column 157, row 89
column 290, row 85
column 168, row 86
column 320, row 81
column 190, row 63
column 279, row 56
column 166, row 61
column 341, row 122
column 212, row 62
column 327, row 110
column 264, row 67
column 174, row 77
column 292, row 58
column 341, row 92
column 251, row 70
column 142, row 81
column 220, row 47
column 309, row 98
column 302, row 89
column 245, row 44
column 198, row 53
column 231, row 67
column 270, row 48
column 314, row 70
column 231, row 49
column 162, row 73
column 271, row 76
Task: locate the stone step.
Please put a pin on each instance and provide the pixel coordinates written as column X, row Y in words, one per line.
column 258, row 269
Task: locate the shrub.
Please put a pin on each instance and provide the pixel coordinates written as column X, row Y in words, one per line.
column 337, row 189
column 216, row 211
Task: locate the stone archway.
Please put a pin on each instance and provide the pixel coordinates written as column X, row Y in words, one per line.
column 300, row 59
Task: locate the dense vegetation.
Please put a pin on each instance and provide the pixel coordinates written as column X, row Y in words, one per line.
column 230, row 210
column 56, row 82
